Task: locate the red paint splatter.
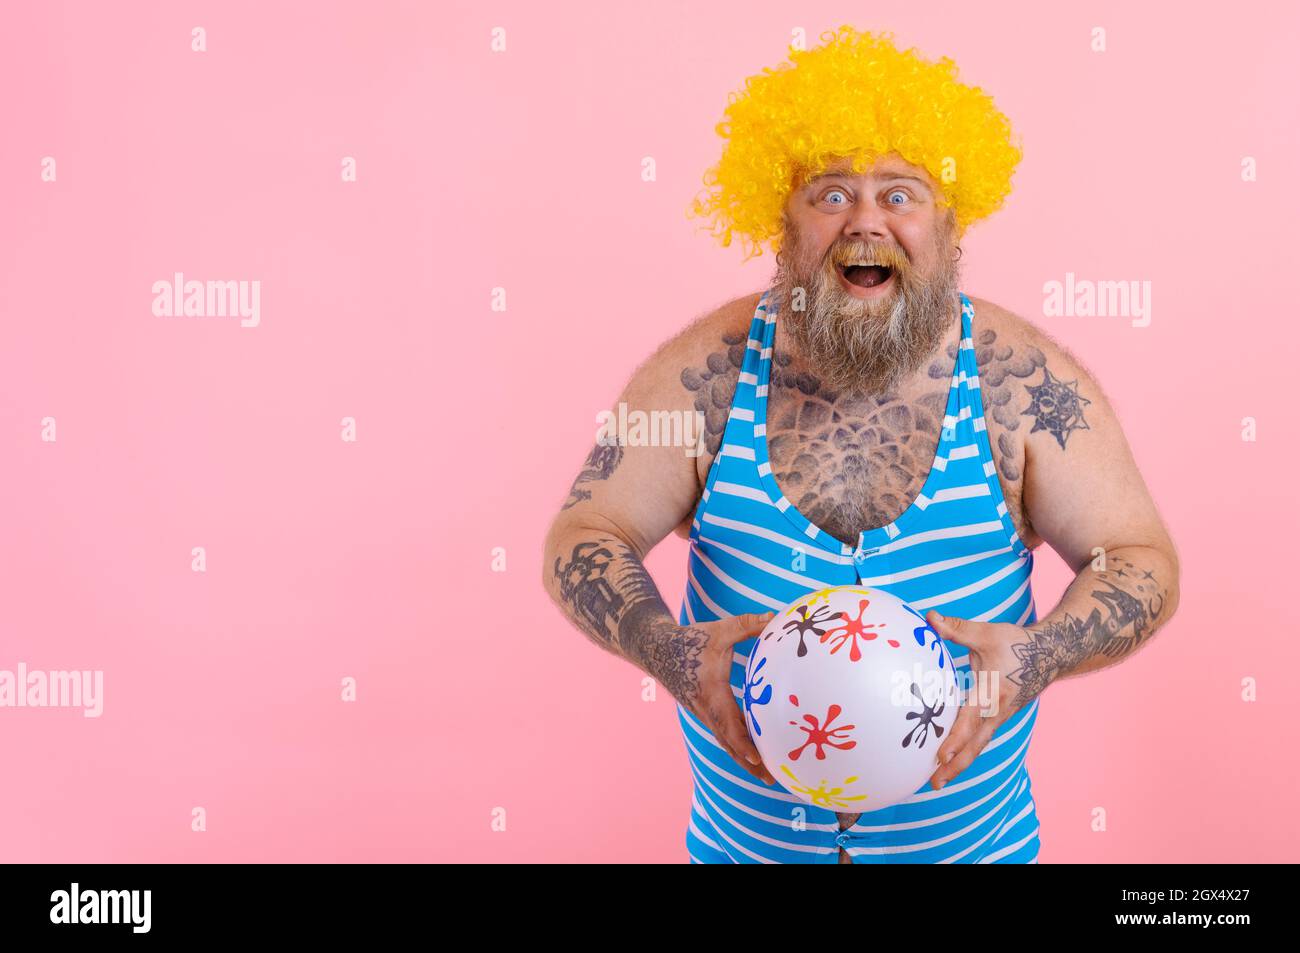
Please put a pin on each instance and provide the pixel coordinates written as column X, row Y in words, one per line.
column 820, row 735
column 854, row 629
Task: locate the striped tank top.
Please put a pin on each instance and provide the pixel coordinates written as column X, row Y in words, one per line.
column 955, row 549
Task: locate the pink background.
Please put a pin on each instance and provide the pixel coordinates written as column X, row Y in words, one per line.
column 372, row 559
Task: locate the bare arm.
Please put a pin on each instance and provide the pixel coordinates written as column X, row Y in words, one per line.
column 1084, row 495
column 625, row 500
column 600, row 583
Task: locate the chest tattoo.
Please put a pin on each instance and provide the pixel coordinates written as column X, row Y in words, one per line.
column 851, row 464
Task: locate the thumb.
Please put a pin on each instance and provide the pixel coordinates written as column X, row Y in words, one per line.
column 952, row 628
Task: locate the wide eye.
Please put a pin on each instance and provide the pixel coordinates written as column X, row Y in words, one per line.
column 829, row 196
column 897, row 197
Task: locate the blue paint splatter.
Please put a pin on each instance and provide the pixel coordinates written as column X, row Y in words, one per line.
column 752, row 682
column 919, row 634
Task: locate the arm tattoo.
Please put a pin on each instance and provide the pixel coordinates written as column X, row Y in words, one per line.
column 586, row 588
column 1126, row 613
column 668, row 652
column 1057, row 407
column 599, row 465
column 609, row 594
column 1054, row 405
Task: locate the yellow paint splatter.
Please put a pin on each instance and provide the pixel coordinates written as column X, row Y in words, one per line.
column 822, row 595
column 823, row 796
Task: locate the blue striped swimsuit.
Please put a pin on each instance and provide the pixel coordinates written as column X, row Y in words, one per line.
column 955, row 549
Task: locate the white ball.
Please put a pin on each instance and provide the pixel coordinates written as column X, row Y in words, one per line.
column 848, row 694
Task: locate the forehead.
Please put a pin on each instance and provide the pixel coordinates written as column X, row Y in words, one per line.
column 887, row 166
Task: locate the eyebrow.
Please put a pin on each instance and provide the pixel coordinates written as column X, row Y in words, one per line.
column 888, row 176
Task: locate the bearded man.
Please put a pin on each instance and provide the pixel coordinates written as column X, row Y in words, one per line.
column 866, row 423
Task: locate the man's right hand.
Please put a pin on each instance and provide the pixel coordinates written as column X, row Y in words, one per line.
column 710, row 698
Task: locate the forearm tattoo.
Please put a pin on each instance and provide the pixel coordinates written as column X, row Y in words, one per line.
column 1129, row 606
column 609, row 594
column 599, row 465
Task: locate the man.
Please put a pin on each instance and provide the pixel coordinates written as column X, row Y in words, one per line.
column 866, row 422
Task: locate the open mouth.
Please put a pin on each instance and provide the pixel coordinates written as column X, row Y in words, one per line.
column 865, row 276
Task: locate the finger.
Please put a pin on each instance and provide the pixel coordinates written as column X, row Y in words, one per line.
column 964, row 728
column 966, row 756
column 962, row 631
column 758, row 773
column 715, row 722
column 734, row 757
column 746, row 626
column 731, row 727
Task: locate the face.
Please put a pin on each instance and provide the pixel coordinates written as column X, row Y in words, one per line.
column 874, row 256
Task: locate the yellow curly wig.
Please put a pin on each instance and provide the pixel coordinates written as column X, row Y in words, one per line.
column 858, row 96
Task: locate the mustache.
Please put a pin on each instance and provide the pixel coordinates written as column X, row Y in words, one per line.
column 870, row 253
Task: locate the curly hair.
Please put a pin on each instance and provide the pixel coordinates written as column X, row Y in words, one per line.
column 857, row 96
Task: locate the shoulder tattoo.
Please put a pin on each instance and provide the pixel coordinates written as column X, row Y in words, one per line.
column 714, row 386
column 1053, row 405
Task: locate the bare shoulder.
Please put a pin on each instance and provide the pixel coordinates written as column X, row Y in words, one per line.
column 1033, row 377
column 1034, row 391
column 1008, row 358
column 692, row 345
column 672, row 376
column 1082, row 487
column 658, row 427
column 698, row 368
column 710, row 363
column 1011, row 331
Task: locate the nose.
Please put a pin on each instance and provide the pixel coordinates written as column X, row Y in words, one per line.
column 868, row 222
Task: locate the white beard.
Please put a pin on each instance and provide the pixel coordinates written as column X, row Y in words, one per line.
column 868, row 347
